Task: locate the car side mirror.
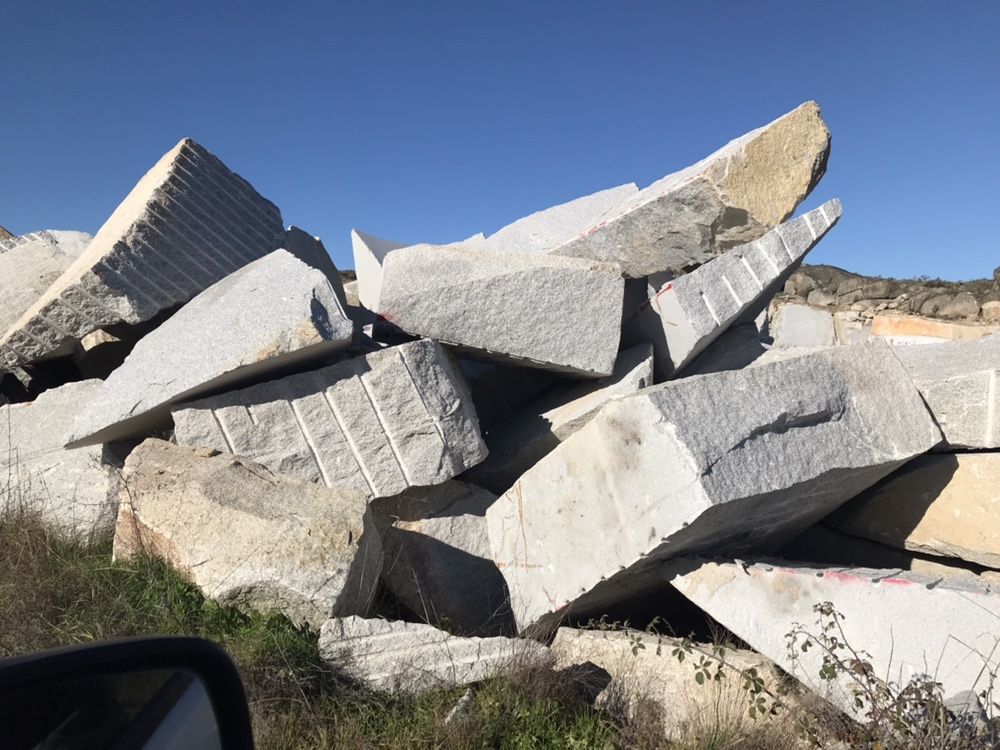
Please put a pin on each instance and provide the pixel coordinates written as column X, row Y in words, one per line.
column 150, row 693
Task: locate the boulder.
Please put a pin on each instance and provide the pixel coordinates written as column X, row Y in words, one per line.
column 729, row 198
column 961, row 306
column 74, row 492
column 991, row 311
column 248, row 537
column 550, row 312
column 688, row 313
column 909, row 624
column 940, row 504
column 820, row 298
column 801, row 325
column 437, row 558
column 369, row 255
column 737, row 461
column 380, row 423
column 850, row 328
column 412, row 657
column 958, row 380
column 518, row 443
column 274, row 313
column 188, row 223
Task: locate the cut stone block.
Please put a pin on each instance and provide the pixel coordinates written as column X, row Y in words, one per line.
column 73, row 491
column 730, row 198
column 738, row 347
column 689, row 313
column 273, row 313
column 561, row 314
column 734, row 461
column 518, row 443
column 906, row 329
column 369, row 255
column 802, row 326
column 959, row 382
column 413, row 657
column 437, row 558
column 946, row 505
column 188, row 223
column 248, row 537
column 311, row 251
column 381, row 423
column 909, row 624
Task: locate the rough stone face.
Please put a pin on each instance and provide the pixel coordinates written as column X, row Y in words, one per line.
column 910, row 624
column 735, row 349
column 273, row 313
column 959, row 382
column 906, row 329
column 248, row 537
column 499, row 390
column 369, row 255
column 380, row 423
column 946, row 505
column 518, row 443
column 850, row 328
column 689, row 313
column 991, row 311
column 730, row 198
column 413, row 657
column 731, row 461
column 74, row 491
column 30, row 264
column 311, row 251
column 802, row 326
column 555, row 313
column 5, row 235
column 437, row 558
column 188, row 223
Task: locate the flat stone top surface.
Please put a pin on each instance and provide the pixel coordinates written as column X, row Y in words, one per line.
column 951, row 359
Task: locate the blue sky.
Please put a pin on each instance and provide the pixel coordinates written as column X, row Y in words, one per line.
column 430, row 121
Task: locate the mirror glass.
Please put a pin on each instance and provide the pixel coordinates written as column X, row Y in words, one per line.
column 155, row 709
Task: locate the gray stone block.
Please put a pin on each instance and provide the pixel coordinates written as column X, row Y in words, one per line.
column 381, row 423
column 274, row 313
column 735, row 461
column 311, row 251
column 248, row 537
column 369, row 255
column 188, row 223
column 795, row 326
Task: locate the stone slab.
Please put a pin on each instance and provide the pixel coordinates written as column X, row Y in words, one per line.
column 550, row 312
column 910, row 624
column 311, row 251
column 729, row 198
column 396, row 656
column 369, row 255
column 188, row 223
column 248, row 537
column 688, row 313
column 941, row 504
column 73, row 491
column 274, row 313
column 380, row 423
column 736, row 348
column 739, row 460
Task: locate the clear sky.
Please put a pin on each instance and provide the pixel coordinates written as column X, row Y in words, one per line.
column 430, row 121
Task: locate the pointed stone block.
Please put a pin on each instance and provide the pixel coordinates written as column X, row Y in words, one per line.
column 369, row 255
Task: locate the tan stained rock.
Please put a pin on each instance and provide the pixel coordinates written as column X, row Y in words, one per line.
column 908, row 327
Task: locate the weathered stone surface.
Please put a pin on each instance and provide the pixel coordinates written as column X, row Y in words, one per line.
column 437, row 558
column 735, row 349
column 188, row 223
column 851, row 328
column 730, row 198
column 909, row 624
column 5, row 235
column 275, row 312
column 991, row 311
column 30, row 264
column 311, row 251
column 369, row 255
column 946, row 505
column 413, row 657
column 959, row 382
column 689, row 313
column 73, row 491
column 380, row 423
column 801, row 325
column 518, row 443
column 551, row 312
column 248, row 537
column 730, row 461
column 913, row 329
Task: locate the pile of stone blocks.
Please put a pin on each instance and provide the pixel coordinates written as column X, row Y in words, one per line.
column 484, row 440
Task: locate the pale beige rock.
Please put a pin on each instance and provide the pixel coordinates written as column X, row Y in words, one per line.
column 906, row 327
column 991, row 312
column 941, row 504
column 4, row 234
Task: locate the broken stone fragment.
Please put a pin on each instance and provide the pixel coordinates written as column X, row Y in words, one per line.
column 688, row 313
column 729, row 198
column 412, row 657
column 739, row 460
column 273, row 313
column 940, row 504
column 380, row 423
column 73, row 492
column 188, row 223
column 907, row 624
column 369, row 255
column 518, row 443
column 248, row 537
column 550, row 312
column 311, row 251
